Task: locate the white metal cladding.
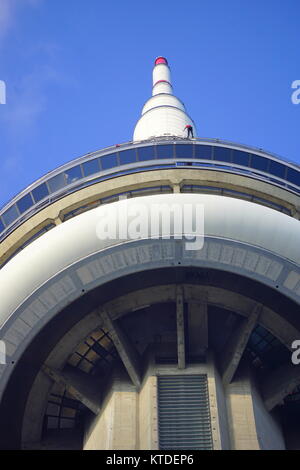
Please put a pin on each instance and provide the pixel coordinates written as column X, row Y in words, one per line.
column 162, row 87
column 161, row 121
column 183, row 413
column 163, row 116
column 161, row 72
column 224, row 218
column 163, row 99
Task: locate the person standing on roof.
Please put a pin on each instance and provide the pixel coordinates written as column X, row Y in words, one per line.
column 190, row 132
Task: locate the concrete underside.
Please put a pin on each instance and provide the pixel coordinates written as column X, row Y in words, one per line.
column 200, row 308
column 151, row 297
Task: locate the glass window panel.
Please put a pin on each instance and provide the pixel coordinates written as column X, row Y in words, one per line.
column 73, row 174
column 293, row 176
column 164, row 151
column 293, row 188
column 90, row 341
column 53, row 409
column 100, row 350
column 203, row 151
column 277, row 169
column 40, row 192
column 127, row 156
column 97, row 334
column 240, row 158
column 109, row 161
column 261, row 330
column 82, row 349
column 68, row 413
column 184, row 151
column 69, row 402
column 92, row 356
column 67, row 423
column 52, row 423
column 261, row 345
column 146, row 153
column 10, row 215
column 91, row 167
column 56, row 183
column 1, row 226
column 73, row 360
column 260, row 163
column 106, row 342
column 222, row 153
column 25, row 203
column 85, row 366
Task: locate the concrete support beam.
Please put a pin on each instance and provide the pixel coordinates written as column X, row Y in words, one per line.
column 83, row 387
column 197, row 328
column 180, row 328
column 125, row 349
column 57, row 220
column 237, row 344
column 280, row 383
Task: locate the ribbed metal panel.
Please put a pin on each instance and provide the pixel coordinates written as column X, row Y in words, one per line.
column 183, row 413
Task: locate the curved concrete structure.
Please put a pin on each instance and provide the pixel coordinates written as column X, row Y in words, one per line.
column 148, row 264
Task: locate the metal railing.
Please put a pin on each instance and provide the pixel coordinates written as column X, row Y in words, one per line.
column 131, row 157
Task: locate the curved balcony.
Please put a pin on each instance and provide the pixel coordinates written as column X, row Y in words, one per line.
column 132, row 157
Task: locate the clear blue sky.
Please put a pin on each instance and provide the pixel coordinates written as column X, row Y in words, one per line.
column 78, row 72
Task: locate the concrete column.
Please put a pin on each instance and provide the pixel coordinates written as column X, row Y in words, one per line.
column 241, row 419
column 116, row 427
column 180, row 328
column 148, row 417
column 216, row 428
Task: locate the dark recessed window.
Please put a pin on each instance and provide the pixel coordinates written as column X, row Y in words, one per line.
column 127, row 156
column 293, row 176
column 203, row 151
column 40, row 192
column 56, row 183
column 259, row 163
column 164, row 151
column 146, row 153
column 25, row 203
column 73, row 174
column 240, row 158
column 184, row 151
column 109, row 161
column 1, row 226
column 10, row 215
column 52, row 423
column 277, row 169
column 91, row 167
column 293, row 188
column 222, row 153
column 275, row 180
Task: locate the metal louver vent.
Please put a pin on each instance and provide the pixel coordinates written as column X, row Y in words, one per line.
column 183, row 413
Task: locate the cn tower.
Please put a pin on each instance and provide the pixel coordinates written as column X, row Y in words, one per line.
column 144, row 341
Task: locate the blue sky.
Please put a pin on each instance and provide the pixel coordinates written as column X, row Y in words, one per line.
column 77, row 73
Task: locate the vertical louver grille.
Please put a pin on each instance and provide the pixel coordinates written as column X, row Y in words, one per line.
column 183, row 413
